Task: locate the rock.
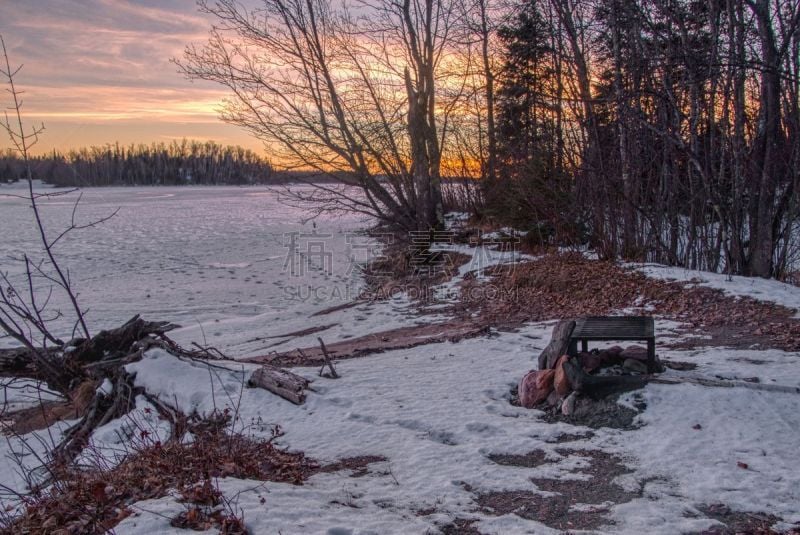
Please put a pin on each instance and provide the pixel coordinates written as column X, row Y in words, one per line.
column 591, row 362
column 634, row 365
column 553, row 399
column 560, row 381
column 584, row 407
column 634, row 352
column 535, row 387
column 568, row 405
column 611, row 356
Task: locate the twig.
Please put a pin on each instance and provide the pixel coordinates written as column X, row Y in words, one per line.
column 327, row 361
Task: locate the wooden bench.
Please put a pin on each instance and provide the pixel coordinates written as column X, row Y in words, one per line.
column 618, row 329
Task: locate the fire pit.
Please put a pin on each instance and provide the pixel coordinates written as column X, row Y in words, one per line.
column 564, row 373
column 615, row 328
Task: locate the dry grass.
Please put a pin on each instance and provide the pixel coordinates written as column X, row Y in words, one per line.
column 95, row 500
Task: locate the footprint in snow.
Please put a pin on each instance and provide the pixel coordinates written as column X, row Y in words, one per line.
column 482, row 429
column 340, row 402
column 361, row 418
column 443, row 437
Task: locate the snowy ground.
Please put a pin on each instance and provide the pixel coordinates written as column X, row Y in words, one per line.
column 760, row 289
column 435, row 412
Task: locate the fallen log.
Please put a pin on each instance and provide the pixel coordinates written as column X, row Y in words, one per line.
column 280, row 382
column 559, row 344
column 17, row 362
column 117, row 342
column 400, row 338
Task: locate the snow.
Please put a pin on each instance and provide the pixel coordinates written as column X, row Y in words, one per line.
column 504, row 232
column 117, row 439
column 215, row 388
column 105, row 388
column 18, row 393
column 481, row 257
column 437, row 412
column 215, row 261
column 435, row 434
column 757, row 428
column 758, row 288
column 22, row 461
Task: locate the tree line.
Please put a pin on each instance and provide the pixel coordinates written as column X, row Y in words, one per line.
column 650, row 130
column 661, row 130
column 176, row 163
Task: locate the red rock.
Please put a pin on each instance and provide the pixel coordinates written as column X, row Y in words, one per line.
column 615, row 350
column 535, row 387
column 634, row 352
column 560, row 381
column 590, row 362
column 608, row 359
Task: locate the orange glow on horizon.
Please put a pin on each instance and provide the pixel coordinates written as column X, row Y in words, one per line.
column 100, row 71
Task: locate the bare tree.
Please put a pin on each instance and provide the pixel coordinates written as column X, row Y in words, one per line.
column 351, row 93
column 679, row 125
column 25, row 307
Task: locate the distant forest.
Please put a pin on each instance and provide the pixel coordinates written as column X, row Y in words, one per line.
column 176, row 163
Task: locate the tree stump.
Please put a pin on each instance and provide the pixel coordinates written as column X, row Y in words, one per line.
column 559, row 344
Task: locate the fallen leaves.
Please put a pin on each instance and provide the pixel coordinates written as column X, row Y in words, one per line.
column 568, row 285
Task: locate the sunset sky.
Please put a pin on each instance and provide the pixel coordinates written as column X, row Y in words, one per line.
column 99, row 71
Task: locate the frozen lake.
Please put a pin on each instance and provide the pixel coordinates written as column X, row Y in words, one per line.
column 212, row 256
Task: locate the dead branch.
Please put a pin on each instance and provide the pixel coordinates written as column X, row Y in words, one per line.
column 327, row 361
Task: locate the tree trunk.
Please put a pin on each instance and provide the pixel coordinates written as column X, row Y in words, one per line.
column 559, row 344
column 768, row 149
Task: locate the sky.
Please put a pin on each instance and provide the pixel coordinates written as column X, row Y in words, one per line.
column 99, row 71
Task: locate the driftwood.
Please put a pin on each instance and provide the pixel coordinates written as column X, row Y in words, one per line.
column 400, row 338
column 82, row 366
column 100, row 409
column 559, row 344
column 117, row 342
column 283, row 383
column 17, row 362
